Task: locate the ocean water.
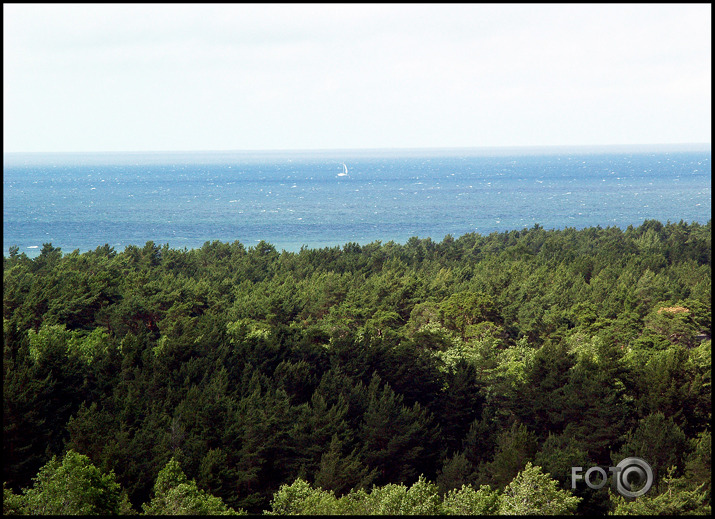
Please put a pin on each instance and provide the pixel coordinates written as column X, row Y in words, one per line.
column 303, row 198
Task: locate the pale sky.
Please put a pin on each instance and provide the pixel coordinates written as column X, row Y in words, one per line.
column 163, row 77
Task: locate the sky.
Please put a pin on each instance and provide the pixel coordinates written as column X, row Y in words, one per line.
column 184, row 77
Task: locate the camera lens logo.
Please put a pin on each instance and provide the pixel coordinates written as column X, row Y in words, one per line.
column 629, row 468
column 630, row 473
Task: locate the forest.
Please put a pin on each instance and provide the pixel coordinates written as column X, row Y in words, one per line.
column 465, row 376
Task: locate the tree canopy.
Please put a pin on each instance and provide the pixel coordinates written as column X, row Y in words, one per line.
column 461, row 376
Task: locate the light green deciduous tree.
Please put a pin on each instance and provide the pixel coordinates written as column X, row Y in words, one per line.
column 532, row 492
column 174, row 494
column 74, row 486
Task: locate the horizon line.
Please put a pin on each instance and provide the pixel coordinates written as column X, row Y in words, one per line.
column 670, row 145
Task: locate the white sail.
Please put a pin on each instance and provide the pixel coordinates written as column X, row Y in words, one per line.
column 345, row 171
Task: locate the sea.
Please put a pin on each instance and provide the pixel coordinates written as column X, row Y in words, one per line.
column 328, row 198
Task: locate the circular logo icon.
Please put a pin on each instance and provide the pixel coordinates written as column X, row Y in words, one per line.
column 633, row 468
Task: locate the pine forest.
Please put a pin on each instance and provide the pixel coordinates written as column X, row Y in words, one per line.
column 462, row 376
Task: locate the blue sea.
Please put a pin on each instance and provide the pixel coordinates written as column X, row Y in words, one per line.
column 293, row 199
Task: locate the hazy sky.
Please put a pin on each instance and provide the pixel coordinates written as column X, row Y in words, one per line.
column 123, row 77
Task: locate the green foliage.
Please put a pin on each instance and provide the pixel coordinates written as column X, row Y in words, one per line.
column 658, row 440
column 674, row 322
column 532, row 492
column 422, row 498
column 597, row 406
column 248, row 329
column 391, row 430
column 51, row 339
column 514, row 448
column 456, row 471
column 12, row 504
column 357, row 369
column 467, row 501
column 47, row 340
column 175, row 495
column 74, row 487
column 513, row 365
column 678, row 497
column 299, row 498
column 342, row 472
column 698, row 465
column 676, row 382
column 558, row 454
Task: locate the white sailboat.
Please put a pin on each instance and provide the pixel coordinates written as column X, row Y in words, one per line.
column 345, row 171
